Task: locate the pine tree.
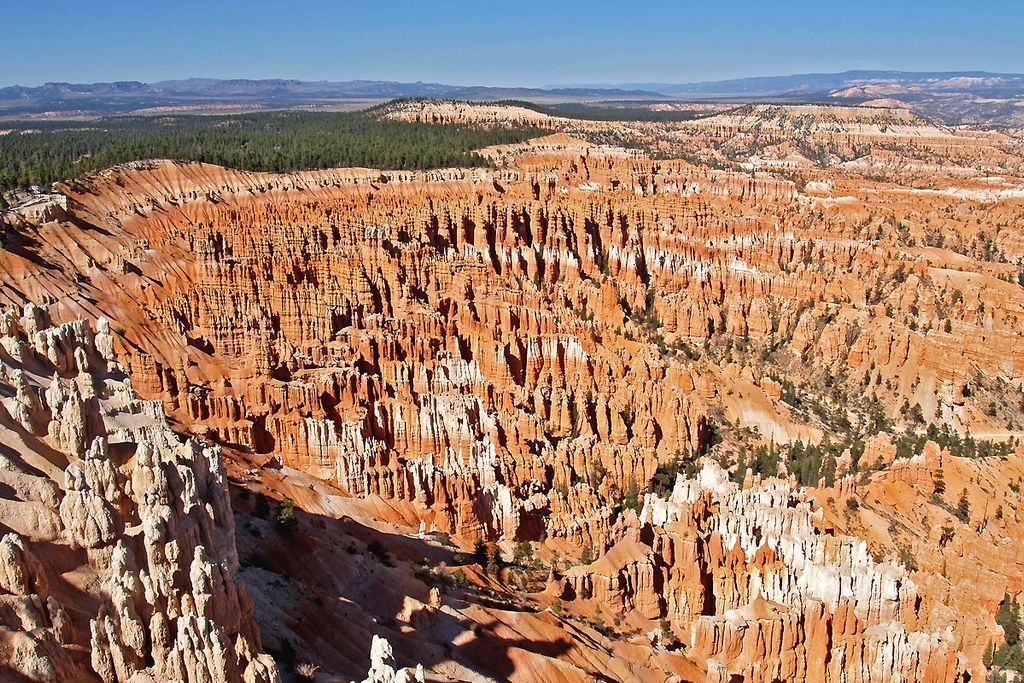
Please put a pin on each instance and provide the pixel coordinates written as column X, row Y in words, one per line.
column 1008, row 617
column 285, row 518
column 632, row 499
column 494, row 562
column 480, row 552
column 963, row 508
column 588, row 555
column 262, row 506
column 523, row 552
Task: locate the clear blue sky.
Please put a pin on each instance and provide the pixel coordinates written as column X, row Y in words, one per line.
column 513, row 42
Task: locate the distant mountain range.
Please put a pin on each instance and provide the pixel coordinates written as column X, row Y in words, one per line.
column 975, row 97
column 200, row 94
column 822, row 83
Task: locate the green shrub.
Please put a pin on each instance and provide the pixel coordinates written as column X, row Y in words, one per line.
column 285, row 519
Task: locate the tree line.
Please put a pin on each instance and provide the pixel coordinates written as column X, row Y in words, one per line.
column 39, row 153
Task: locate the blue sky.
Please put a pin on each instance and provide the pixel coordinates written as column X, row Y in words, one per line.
column 500, row 43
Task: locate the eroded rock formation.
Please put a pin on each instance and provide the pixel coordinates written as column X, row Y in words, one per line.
column 119, row 556
column 766, row 594
column 513, row 354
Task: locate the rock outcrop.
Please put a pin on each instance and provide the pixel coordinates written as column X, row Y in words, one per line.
column 119, row 559
column 764, row 593
column 382, row 666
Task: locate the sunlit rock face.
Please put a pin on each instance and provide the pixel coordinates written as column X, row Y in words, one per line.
column 119, row 559
column 781, row 599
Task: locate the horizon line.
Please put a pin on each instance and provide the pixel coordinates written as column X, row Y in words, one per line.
column 618, row 85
